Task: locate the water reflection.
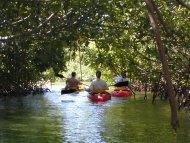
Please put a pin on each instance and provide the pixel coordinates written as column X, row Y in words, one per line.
column 26, row 119
column 82, row 118
column 73, row 118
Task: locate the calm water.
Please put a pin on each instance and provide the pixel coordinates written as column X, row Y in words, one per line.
column 55, row 118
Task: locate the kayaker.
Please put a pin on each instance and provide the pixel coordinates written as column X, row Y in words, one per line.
column 121, row 80
column 98, row 83
column 72, row 83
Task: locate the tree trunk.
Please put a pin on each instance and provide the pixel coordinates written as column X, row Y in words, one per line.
column 153, row 20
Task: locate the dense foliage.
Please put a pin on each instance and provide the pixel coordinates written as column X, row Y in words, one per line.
column 36, row 36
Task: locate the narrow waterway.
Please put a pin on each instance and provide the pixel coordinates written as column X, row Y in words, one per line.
column 72, row 118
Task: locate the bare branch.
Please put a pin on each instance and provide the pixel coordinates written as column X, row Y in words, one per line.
column 11, row 37
column 15, row 22
column 21, row 20
column 27, row 32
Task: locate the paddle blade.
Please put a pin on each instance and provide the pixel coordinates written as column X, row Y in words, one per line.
column 119, row 84
column 59, row 75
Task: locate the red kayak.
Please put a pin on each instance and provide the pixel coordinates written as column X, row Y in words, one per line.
column 99, row 97
column 121, row 92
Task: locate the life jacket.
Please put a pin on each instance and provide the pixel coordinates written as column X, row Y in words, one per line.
column 98, row 91
column 73, row 88
column 121, row 88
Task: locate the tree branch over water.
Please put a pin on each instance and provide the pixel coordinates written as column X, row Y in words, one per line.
column 161, row 49
column 11, row 37
column 27, row 33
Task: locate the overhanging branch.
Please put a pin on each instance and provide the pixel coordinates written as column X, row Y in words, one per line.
column 11, row 37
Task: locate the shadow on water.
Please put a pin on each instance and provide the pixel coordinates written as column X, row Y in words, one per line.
column 73, row 118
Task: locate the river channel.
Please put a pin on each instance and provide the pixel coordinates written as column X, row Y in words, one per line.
column 72, row 118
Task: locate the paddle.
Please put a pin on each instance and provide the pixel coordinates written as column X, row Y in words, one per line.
column 85, row 84
column 59, row 75
column 133, row 92
column 123, row 83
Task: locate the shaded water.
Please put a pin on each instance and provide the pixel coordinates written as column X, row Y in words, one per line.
column 74, row 119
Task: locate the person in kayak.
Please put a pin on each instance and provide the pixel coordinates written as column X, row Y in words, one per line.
column 72, row 83
column 98, row 84
column 121, row 80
